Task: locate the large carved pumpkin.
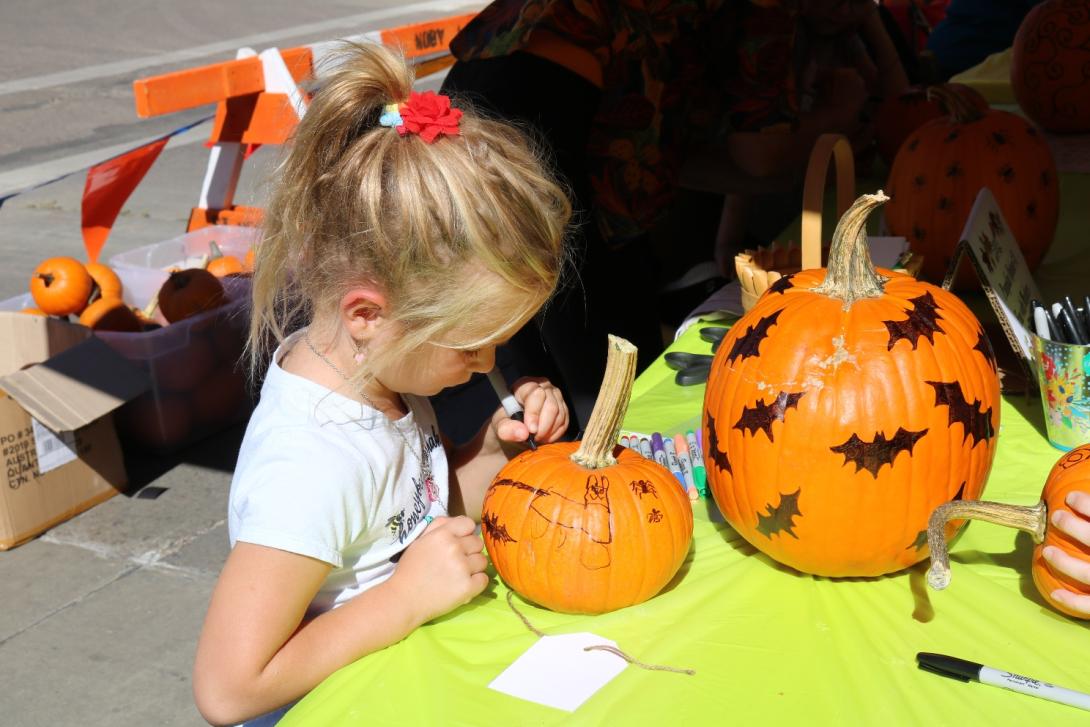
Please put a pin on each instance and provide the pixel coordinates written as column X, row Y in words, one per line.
column 1070, row 473
column 588, row 527
column 1050, row 65
column 844, row 407
column 940, row 169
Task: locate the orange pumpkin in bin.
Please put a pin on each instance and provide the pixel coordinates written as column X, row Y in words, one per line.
column 221, row 267
column 189, row 292
column 61, row 286
column 109, row 285
column 110, row 314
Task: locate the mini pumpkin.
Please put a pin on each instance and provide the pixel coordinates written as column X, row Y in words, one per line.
column 588, row 527
column 110, row 314
column 845, row 406
column 106, row 280
column 222, row 265
column 1071, row 472
column 1050, row 65
column 61, row 286
column 189, row 292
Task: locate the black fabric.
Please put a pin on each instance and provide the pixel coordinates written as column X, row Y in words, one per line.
column 604, row 290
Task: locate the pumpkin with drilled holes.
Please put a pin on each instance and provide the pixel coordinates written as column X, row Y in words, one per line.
column 1050, row 65
column 588, row 527
column 110, row 314
column 900, row 115
column 106, row 280
column 1070, row 473
column 61, row 286
column 845, row 406
column 189, row 292
column 941, row 168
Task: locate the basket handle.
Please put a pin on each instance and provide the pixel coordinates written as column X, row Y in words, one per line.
column 837, row 148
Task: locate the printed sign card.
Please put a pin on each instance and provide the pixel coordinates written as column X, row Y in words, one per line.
column 988, row 243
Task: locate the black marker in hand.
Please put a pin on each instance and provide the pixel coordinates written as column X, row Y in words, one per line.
column 508, row 400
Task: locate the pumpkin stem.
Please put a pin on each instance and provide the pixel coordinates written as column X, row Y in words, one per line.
column 214, row 251
column 600, row 437
column 850, row 275
column 1033, row 520
column 47, row 278
column 959, row 108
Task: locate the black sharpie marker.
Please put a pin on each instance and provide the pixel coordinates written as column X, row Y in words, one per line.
column 508, row 401
column 949, row 666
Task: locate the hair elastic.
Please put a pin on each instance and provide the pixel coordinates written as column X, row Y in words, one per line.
column 428, row 115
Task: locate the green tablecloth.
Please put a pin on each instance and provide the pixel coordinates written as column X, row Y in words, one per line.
column 769, row 646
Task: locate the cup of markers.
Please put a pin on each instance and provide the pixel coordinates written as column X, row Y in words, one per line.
column 679, row 453
column 1061, row 344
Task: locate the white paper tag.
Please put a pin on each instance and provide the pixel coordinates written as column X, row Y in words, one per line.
column 557, row 672
column 53, row 450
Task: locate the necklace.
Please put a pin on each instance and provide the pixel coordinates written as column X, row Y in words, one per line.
column 422, row 458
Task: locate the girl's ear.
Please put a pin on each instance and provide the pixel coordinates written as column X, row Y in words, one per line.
column 362, row 310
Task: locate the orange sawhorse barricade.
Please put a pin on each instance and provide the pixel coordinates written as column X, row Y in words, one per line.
column 259, row 101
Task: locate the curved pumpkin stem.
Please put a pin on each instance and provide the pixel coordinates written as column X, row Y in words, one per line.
column 850, row 274
column 596, row 449
column 959, row 108
column 1033, row 520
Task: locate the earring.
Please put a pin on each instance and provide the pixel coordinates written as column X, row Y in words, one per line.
column 359, row 353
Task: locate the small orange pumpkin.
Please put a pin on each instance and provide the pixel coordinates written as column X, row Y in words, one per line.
column 61, row 286
column 1071, row 472
column 110, row 314
column 189, row 292
column 225, row 265
column 109, row 285
column 588, row 527
column 248, row 261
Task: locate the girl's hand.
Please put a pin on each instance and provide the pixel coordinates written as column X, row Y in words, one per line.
column 1079, row 529
column 545, row 415
column 442, row 569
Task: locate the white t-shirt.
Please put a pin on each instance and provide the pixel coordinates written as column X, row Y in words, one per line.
column 325, row 476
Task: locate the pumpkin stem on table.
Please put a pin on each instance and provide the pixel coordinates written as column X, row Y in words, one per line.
column 1033, row 520
column 954, row 103
column 596, row 449
column 850, row 275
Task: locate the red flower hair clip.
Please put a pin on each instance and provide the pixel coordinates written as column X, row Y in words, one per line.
column 428, row 115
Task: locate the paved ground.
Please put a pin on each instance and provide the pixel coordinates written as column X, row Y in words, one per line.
column 100, row 615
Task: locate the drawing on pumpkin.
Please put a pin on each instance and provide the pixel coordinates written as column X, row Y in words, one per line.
column 1046, row 179
column 918, row 232
column 913, row 144
column 920, row 181
column 1073, row 457
column 985, row 347
column 976, row 423
column 781, row 285
column 1006, row 173
column 955, row 170
column 921, row 537
column 923, row 320
column 494, row 529
column 945, row 204
column 952, row 136
column 872, row 455
column 590, row 515
column 654, row 516
column 750, row 342
column 643, row 487
column 719, row 457
column 781, row 518
column 762, row 415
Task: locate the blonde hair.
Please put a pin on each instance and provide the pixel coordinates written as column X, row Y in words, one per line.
column 446, row 230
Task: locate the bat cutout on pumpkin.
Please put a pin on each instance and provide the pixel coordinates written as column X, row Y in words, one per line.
column 719, row 457
column 977, row 424
column 780, row 519
column 750, row 342
column 781, row 285
column 923, row 320
column 872, row 455
column 985, row 347
column 591, row 516
column 762, row 415
column 921, row 537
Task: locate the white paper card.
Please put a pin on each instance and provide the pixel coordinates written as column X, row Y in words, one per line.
column 557, row 672
column 53, row 450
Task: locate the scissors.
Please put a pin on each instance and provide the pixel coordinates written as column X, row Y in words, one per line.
column 693, row 368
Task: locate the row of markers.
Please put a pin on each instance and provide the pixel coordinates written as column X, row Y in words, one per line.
column 681, row 454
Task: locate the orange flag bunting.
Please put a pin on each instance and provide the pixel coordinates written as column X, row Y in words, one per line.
column 109, row 185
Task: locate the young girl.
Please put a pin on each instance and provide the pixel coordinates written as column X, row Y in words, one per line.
column 411, row 239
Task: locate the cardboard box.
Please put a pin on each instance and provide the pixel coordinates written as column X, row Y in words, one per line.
column 58, row 386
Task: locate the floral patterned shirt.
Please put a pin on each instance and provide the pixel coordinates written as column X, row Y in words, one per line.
column 674, row 72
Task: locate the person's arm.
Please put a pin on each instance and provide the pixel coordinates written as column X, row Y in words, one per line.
column 475, row 464
column 255, row 653
column 1077, row 525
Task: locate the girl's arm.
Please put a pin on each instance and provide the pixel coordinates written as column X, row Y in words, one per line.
column 475, row 464
column 255, row 653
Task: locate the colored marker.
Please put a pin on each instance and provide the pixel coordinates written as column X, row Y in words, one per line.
column 508, row 401
column 682, row 448
column 671, row 457
column 645, row 447
column 700, row 475
column 625, row 442
column 658, row 450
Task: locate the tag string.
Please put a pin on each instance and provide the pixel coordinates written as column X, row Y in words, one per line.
column 600, row 647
